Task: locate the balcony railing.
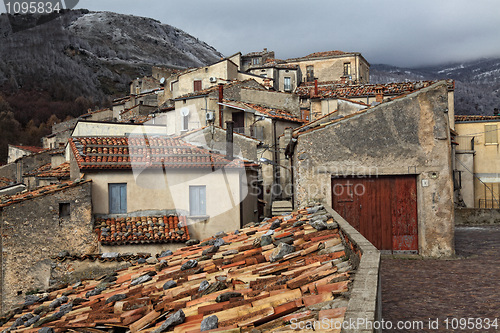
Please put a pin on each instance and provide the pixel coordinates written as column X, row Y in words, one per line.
column 489, row 203
column 256, row 132
column 465, row 142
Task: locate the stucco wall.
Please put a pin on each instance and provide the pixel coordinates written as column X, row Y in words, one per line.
column 465, row 163
column 32, row 232
column 16, row 170
column 152, row 190
column 486, row 158
column 278, row 100
column 332, row 68
column 406, row 136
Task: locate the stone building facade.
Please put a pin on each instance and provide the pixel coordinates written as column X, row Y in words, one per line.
column 408, row 137
column 38, row 226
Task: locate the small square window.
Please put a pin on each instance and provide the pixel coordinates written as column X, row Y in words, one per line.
column 64, row 209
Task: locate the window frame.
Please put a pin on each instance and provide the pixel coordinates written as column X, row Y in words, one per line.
column 490, row 132
column 198, row 200
column 287, row 87
column 122, row 188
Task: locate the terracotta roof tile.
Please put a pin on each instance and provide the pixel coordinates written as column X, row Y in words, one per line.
column 252, row 287
column 38, row 192
column 5, row 182
column 61, row 171
column 465, row 118
column 335, row 90
column 155, row 151
column 31, row 149
column 142, row 230
column 270, row 112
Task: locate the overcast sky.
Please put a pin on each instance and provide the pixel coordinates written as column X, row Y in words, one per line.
column 396, row 32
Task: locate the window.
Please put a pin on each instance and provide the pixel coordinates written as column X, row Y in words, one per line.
column 310, row 73
column 256, row 61
column 347, row 69
column 490, row 134
column 288, row 83
column 197, row 85
column 197, row 200
column 304, row 114
column 117, row 198
column 64, row 209
column 185, row 122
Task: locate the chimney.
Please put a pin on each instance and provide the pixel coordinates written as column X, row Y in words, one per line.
column 265, row 49
column 495, row 112
column 221, row 97
column 379, row 94
column 229, row 139
column 316, row 92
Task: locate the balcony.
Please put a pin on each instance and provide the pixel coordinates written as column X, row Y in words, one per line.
column 256, row 132
column 465, row 143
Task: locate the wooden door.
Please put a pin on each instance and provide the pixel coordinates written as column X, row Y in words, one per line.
column 382, row 209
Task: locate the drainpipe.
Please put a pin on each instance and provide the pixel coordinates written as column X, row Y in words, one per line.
column 316, row 92
column 221, row 97
column 276, row 169
column 229, row 140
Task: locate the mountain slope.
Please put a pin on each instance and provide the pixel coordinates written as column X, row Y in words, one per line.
column 81, row 60
column 477, row 83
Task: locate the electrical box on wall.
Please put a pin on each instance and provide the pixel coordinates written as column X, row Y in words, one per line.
column 425, row 182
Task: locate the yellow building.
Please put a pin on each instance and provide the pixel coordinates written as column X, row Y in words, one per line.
column 478, row 160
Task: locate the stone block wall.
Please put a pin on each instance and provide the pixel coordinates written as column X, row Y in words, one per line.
column 32, row 232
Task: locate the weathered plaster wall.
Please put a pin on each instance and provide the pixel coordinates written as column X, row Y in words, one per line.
column 32, row 232
column 278, row 100
column 465, row 163
column 476, row 216
column 152, row 190
column 409, row 135
column 16, row 169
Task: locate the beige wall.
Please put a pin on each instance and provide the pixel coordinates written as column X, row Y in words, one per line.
column 278, row 100
column 223, row 70
column 486, row 159
column 152, row 190
column 332, row 68
column 15, row 153
column 406, row 136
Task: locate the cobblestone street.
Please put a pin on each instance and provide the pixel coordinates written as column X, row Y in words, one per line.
column 465, row 287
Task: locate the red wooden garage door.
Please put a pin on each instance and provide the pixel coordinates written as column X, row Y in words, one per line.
column 383, row 209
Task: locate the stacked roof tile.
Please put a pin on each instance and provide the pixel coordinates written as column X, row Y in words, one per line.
column 288, row 270
column 270, row 112
column 464, row 118
column 154, row 151
column 5, row 182
column 40, row 191
column 31, row 149
column 46, row 171
column 335, row 90
column 142, row 230
column 325, row 54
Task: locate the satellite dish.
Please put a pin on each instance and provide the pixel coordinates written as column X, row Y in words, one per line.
column 162, row 80
column 184, row 112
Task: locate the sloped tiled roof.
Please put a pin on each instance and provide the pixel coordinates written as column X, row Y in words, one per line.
column 215, row 88
column 332, row 90
column 36, row 171
column 270, row 112
column 142, row 230
column 464, row 118
column 266, row 276
column 31, row 149
column 5, row 182
column 154, row 151
column 325, row 54
column 40, row 191
column 60, row 171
